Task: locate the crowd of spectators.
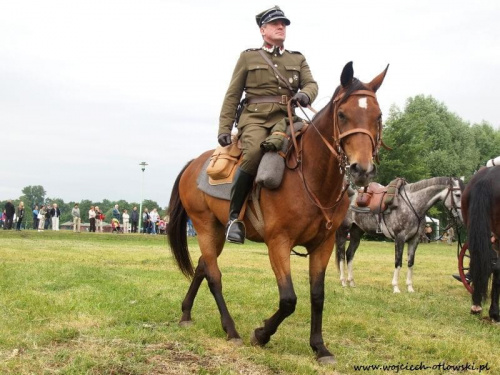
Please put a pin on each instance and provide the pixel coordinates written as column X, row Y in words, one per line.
column 47, row 217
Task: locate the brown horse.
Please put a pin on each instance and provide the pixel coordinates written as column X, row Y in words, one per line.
column 305, row 210
column 481, row 212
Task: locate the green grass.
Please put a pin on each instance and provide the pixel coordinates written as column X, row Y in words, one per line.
column 109, row 304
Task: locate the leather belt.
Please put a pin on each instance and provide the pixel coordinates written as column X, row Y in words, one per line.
column 280, row 99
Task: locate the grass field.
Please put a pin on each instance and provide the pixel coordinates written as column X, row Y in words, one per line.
column 109, row 304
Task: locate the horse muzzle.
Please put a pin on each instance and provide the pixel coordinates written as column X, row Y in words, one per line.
column 362, row 175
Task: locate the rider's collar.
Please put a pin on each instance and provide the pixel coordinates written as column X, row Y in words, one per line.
column 272, row 49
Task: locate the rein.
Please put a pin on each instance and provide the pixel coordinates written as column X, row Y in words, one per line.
column 336, row 149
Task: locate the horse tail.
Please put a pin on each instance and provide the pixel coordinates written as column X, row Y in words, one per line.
column 479, row 232
column 176, row 231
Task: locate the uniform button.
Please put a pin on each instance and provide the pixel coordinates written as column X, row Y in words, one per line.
column 275, row 55
column 275, row 65
column 255, row 109
column 279, row 88
column 277, row 77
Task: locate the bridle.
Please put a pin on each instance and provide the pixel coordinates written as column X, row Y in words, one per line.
column 454, row 207
column 336, row 148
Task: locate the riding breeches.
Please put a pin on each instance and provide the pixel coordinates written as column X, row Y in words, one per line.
column 251, row 136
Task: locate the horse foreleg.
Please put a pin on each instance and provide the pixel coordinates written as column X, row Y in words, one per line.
column 398, row 253
column 187, row 304
column 280, row 263
column 495, row 294
column 318, row 263
column 412, row 248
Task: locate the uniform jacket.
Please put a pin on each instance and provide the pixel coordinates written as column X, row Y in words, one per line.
column 255, row 77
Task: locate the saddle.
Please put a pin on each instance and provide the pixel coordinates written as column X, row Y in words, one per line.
column 376, row 198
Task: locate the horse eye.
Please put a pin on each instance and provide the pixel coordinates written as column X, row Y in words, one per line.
column 342, row 116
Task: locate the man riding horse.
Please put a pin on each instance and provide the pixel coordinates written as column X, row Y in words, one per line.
column 268, row 88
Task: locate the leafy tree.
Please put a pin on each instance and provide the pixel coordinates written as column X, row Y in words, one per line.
column 428, row 141
column 487, row 142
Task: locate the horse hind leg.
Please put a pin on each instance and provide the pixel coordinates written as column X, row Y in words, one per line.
column 187, row 304
column 341, row 239
column 211, row 241
column 398, row 253
column 495, row 294
column 356, row 234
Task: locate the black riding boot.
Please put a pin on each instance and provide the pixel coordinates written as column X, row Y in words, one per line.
column 235, row 229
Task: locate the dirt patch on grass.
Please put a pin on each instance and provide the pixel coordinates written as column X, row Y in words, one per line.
column 176, row 360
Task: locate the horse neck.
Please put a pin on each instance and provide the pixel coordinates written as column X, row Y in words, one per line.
column 426, row 197
column 320, row 166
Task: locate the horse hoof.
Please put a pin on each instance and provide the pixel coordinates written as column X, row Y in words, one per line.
column 254, row 341
column 352, row 284
column 396, row 290
column 411, row 290
column 185, row 323
column 236, row 342
column 476, row 309
column 328, row 360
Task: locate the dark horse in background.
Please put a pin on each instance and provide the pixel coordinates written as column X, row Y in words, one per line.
column 404, row 224
column 481, row 210
column 305, row 210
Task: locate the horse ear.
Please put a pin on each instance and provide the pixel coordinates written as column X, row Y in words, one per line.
column 347, row 74
column 377, row 81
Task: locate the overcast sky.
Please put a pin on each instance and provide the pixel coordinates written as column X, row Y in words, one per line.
column 89, row 89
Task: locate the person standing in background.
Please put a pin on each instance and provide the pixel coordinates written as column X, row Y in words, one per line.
column 20, row 215
column 126, row 220
column 134, row 218
column 77, row 221
column 41, row 218
column 35, row 217
column 99, row 218
column 92, row 215
column 10, row 210
column 55, row 214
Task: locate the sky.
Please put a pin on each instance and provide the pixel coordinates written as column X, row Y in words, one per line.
column 91, row 88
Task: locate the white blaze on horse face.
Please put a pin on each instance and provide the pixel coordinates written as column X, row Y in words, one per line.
column 363, row 103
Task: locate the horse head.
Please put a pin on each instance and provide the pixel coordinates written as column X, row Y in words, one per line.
column 357, row 125
column 453, row 198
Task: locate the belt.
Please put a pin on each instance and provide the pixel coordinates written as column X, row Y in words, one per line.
column 280, row 99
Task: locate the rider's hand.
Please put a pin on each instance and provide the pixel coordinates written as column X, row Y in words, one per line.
column 301, row 98
column 224, row 139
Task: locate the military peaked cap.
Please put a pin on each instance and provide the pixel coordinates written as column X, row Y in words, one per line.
column 275, row 13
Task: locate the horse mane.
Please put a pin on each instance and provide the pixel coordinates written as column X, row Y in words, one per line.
column 416, row 186
column 355, row 85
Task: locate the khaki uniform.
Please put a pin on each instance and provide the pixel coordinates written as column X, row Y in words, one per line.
column 253, row 76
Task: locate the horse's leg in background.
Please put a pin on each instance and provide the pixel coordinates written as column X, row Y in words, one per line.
column 340, row 240
column 495, row 293
column 399, row 244
column 356, row 234
column 412, row 248
column 279, row 256
column 318, row 262
column 211, row 239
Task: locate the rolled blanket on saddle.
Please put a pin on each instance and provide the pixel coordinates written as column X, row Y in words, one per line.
column 272, row 165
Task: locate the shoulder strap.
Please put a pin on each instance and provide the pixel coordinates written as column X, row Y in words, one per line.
column 268, row 60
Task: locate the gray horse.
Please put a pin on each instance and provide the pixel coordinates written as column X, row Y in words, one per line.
column 403, row 223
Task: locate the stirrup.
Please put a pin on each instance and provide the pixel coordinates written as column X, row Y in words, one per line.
column 235, row 231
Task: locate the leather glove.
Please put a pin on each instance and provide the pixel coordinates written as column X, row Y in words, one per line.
column 224, row 139
column 301, row 98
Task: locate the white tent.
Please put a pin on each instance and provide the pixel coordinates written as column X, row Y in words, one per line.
column 436, row 223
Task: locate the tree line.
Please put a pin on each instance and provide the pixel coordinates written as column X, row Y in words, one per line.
column 36, row 195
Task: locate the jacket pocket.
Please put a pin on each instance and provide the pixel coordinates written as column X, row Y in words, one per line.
column 258, row 74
